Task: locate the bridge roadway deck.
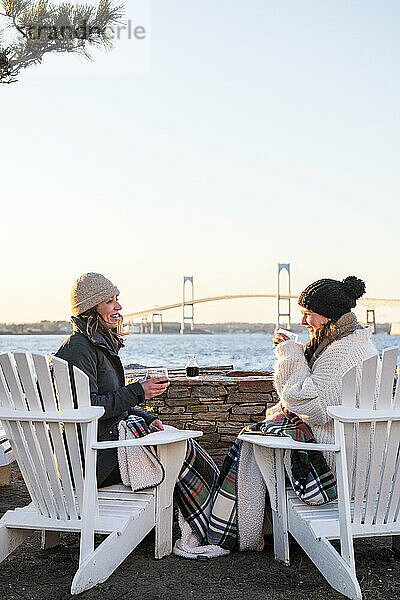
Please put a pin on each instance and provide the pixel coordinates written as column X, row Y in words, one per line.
column 367, row 302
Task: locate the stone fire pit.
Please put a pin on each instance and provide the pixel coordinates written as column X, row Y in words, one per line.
column 219, row 405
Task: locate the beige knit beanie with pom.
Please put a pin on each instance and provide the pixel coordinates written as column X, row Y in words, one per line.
column 89, row 290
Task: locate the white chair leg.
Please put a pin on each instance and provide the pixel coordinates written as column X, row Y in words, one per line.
column 329, row 562
column 172, row 457
column 279, row 516
column 10, row 539
column 49, row 539
column 5, row 475
column 103, row 561
column 281, row 538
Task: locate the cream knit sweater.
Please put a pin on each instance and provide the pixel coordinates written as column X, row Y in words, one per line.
column 308, row 392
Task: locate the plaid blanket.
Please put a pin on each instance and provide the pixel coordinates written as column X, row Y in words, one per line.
column 196, row 488
column 310, row 476
column 197, row 483
column 223, row 524
column 207, row 497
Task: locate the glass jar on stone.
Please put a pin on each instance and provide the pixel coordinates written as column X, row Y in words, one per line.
column 192, row 367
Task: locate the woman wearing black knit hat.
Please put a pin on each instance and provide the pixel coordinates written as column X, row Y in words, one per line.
column 309, row 379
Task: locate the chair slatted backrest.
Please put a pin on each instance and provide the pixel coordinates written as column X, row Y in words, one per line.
column 82, row 392
column 50, row 460
column 375, row 445
column 349, row 393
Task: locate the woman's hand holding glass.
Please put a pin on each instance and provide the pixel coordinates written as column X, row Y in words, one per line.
column 279, row 338
column 155, row 382
column 154, row 387
column 283, row 335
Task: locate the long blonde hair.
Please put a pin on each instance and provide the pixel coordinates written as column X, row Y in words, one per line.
column 94, row 323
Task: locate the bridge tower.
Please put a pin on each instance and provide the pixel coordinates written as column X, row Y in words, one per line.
column 187, row 303
column 160, row 329
column 144, row 326
column 281, row 308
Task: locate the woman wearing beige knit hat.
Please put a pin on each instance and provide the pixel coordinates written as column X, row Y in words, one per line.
column 93, row 347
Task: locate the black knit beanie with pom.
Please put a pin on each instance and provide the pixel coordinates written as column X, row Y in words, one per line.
column 331, row 298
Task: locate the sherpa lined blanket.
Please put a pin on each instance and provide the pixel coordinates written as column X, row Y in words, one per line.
column 224, row 510
column 139, row 465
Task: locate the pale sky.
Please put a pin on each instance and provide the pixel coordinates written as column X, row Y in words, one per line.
column 256, row 133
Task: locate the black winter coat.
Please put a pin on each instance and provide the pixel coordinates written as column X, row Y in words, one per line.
column 95, row 357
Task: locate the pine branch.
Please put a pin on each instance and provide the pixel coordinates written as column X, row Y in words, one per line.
column 46, row 28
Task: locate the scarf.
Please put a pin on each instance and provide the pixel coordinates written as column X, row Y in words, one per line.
column 332, row 331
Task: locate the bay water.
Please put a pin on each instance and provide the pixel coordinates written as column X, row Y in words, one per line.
column 242, row 350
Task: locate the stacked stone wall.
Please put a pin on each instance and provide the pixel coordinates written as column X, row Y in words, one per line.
column 219, row 406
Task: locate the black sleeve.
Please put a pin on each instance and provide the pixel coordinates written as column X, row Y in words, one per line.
column 116, row 402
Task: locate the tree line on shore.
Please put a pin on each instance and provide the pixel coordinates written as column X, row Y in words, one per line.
column 171, row 327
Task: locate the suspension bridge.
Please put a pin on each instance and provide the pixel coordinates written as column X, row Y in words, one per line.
column 188, row 302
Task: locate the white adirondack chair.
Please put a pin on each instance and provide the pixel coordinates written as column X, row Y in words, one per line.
column 45, row 431
column 6, row 458
column 367, row 442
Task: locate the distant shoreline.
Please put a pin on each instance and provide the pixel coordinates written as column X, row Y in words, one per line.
column 36, row 333
column 168, row 328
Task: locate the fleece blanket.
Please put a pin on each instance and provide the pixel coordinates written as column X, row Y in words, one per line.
column 138, row 465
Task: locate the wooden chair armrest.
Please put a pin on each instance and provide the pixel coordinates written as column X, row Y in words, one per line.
column 76, row 415
column 285, row 443
column 168, row 436
column 348, row 414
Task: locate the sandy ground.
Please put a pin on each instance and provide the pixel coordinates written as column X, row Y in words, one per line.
column 46, row 575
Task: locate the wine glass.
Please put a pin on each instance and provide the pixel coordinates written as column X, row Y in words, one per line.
column 153, row 372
